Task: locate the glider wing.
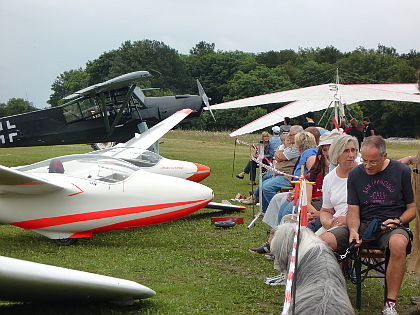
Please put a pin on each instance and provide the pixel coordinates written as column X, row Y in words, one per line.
column 16, row 182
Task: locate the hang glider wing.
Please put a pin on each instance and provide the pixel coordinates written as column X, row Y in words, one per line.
column 16, row 182
column 291, row 110
column 351, row 94
column 317, row 98
column 312, row 92
column 112, row 84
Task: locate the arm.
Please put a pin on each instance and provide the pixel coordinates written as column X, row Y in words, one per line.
column 279, row 156
column 408, row 160
column 314, row 213
column 310, row 162
column 408, row 215
column 326, row 217
column 353, row 223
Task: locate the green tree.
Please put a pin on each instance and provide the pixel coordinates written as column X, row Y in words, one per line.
column 202, row 48
column 66, row 84
column 16, row 106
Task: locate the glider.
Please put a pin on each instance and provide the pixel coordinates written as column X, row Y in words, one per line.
column 319, row 97
column 135, row 151
column 77, row 196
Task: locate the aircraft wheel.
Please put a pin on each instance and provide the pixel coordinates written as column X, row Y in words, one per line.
column 102, row 145
column 65, row 241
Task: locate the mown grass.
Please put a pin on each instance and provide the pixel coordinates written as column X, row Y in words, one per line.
column 194, row 267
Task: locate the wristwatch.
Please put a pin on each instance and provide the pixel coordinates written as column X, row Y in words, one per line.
column 399, row 219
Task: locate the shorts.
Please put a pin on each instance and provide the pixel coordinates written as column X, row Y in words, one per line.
column 342, row 235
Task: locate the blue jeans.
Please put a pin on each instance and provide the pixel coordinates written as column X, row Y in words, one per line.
column 270, row 187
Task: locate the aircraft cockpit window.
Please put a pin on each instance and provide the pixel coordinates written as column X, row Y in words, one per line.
column 86, row 166
column 72, row 112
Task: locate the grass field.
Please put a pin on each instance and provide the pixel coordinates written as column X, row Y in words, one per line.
column 194, row 267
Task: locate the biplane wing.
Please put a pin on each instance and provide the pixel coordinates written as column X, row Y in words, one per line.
column 317, row 98
column 112, row 84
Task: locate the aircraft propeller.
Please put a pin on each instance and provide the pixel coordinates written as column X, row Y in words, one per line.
column 205, row 98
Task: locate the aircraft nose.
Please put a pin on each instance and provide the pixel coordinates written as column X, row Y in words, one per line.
column 202, row 172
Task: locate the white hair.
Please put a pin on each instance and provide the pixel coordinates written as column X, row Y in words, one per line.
column 320, row 284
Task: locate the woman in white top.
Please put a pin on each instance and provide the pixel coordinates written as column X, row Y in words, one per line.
column 343, row 152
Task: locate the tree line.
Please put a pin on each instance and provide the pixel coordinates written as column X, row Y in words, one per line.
column 230, row 75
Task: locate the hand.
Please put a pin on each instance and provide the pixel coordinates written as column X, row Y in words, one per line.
column 290, row 196
column 314, row 214
column 354, row 236
column 337, row 221
column 389, row 221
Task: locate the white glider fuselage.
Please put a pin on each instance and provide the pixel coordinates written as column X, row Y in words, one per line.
column 94, row 194
column 155, row 163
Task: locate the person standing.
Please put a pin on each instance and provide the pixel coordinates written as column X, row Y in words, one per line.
column 274, row 142
column 310, row 122
column 368, row 129
column 355, row 132
column 285, row 128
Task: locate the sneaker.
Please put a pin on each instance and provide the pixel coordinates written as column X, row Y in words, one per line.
column 269, row 257
column 264, row 249
column 415, row 300
column 249, row 201
column 281, row 279
column 389, row 309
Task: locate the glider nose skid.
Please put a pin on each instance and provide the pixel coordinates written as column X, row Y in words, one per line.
column 201, row 173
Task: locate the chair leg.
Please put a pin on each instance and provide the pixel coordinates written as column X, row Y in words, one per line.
column 358, row 271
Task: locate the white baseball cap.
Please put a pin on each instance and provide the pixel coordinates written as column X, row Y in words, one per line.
column 276, row 129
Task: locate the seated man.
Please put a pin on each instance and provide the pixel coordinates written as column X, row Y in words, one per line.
column 378, row 191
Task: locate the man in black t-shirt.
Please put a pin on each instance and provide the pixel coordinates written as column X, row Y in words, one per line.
column 355, row 132
column 368, row 130
column 378, row 191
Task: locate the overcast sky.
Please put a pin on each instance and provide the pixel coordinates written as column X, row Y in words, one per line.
column 41, row 39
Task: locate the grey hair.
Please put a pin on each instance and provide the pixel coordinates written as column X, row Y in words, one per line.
column 318, row 276
column 377, row 142
column 338, row 146
column 297, row 128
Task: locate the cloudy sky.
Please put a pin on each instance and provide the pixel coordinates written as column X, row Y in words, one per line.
column 42, row 38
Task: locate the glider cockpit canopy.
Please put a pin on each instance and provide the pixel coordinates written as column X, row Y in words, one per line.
column 92, row 166
column 137, row 156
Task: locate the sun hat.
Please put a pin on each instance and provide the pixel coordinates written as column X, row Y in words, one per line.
column 328, row 137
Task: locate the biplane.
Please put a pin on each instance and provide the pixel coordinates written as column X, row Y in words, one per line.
column 110, row 111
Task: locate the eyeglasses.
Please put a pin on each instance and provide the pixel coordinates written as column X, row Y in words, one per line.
column 371, row 162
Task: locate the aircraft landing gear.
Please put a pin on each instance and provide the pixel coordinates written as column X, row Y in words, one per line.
column 102, row 145
column 65, row 241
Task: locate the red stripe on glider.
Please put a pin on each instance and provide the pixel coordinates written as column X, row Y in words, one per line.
column 102, row 214
column 131, row 224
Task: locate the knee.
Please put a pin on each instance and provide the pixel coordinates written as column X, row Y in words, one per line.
column 398, row 245
column 329, row 239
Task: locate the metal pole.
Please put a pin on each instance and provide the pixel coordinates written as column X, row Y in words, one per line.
column 260, row 158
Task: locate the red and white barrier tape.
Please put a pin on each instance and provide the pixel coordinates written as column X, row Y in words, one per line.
column 302, row 209
column 272, row 169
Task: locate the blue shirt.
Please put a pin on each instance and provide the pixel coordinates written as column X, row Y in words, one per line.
column 302, row 161
column 274, row 144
